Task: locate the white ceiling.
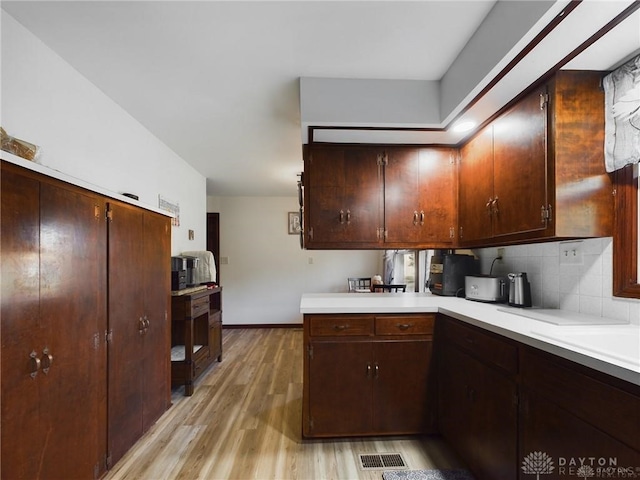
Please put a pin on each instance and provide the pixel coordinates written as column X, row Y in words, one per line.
column 218, row 81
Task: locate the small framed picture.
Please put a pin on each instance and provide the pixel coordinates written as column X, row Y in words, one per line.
column 294, row 223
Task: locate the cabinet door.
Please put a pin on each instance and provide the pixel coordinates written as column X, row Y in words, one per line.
column 73, row 306
column 438, row 193
column 476, row 187
column 402, row 386
column 402, row 220
column 343, row 186
column 325, row 189
column 156, row 282
column 53, row 270
column 126, row 323
column 420, row 191
column 479, row 415
column 340, row 376
column 22, row 330
column 567, row 440
column 454, row 413
column 363, row 195
column 520, row 167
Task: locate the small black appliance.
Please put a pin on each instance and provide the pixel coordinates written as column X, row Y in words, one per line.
column 178, row 273
column 447, row 272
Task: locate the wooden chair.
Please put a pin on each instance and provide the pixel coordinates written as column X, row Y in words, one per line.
column 359, row 284
column 398, row 287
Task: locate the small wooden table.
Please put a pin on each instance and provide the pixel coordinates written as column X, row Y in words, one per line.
column 196, row 333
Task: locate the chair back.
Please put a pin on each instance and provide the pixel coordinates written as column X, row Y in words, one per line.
column 358, row 284
column 397, row 287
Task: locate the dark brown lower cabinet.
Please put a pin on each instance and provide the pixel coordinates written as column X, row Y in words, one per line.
column 478, row 411
column 367, row 375
column 584, row 422
column 574, row 447
column 512, row 411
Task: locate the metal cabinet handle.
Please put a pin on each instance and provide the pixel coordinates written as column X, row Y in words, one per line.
column 35, row 364
column 348, row 216
column 47, row 360
column 494, row 206
column 141, row 326
column 421, row 217
column 340, row 328
column 341, row 216
column 368, row 370
column 404, row 326
column 415, row 218
column 488, row 206
column 376, row 369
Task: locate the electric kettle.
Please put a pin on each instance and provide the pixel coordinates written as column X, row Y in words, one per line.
column 519, row 290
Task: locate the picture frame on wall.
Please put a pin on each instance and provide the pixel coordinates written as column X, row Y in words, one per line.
column 295, row 225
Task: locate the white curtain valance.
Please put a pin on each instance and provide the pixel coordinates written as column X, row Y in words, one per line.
column 622, row 115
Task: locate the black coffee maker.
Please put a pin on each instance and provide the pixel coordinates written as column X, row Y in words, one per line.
column 447, row 272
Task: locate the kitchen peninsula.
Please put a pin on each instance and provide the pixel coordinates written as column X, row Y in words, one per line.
column 498, row 385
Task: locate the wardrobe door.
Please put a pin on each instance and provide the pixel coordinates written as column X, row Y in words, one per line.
column 156, row 281
column 53, row 323
column 126, row 327
column 73, row 309
column 139, row 300
column 21, row 332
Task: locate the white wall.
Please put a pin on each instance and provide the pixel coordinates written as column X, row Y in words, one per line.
column 581, row 287
column 85, row 134
column 267, row 271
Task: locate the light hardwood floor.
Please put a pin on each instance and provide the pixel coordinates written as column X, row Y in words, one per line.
column 244, row 422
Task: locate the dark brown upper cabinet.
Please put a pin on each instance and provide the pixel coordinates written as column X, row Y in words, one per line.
column 343, row 189
column 375, row 196
column 537, row 171
column 420, row 197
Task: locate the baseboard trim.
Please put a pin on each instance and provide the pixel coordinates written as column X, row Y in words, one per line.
column 264, row 325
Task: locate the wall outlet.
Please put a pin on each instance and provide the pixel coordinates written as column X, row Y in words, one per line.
column 310, row 260
column 571, row 253
column 500, row 254
column 224, row 260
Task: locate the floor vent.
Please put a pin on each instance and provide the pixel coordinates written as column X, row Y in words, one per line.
column 381, row 461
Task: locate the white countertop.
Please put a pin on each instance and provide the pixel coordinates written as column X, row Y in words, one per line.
column 610, row 348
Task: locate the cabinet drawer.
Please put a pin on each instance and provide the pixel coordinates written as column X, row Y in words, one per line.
column 341, row 325
column 405, row 325
column 199, row 306
column 484, row 346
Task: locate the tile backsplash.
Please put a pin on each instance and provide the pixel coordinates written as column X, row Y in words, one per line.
column 574, row 275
